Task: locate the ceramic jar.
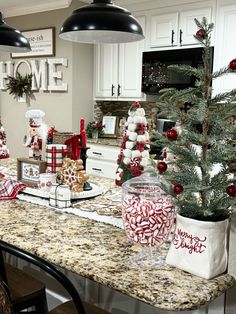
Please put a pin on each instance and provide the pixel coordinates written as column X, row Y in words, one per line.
column 60, row 196
column 148, row 213
column 54, row 156
column 46, row 180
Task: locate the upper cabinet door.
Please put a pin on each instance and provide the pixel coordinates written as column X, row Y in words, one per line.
column 225, row 48
column 175, row 26
column 130, row 67
column 118, row 69
column 106, row 72
column 163, row 30
column 187, row 26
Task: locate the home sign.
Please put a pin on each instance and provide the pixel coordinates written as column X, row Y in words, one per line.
column 47, row 73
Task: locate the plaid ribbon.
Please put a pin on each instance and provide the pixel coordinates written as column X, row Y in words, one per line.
column 10, row 188
column 54, row 158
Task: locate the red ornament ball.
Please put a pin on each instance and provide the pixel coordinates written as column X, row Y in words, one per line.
column 231, row 190
column 162, row 166
column 172, row 134
column 178, row 188
column 232, row 65
column 201, row 33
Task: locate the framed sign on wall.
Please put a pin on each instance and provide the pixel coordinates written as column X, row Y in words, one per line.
column 110, row 124
column 42, row 42
column 28, row 170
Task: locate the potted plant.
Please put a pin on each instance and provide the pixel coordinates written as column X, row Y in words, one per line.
column 20, row 86
column 94, row 129
column 200, row 170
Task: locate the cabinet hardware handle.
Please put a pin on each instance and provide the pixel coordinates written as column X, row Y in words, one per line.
column 180, row 36
column 96, row 153
column 119, row 88
column 172, row 37
column 112, row 90
column 96, row 169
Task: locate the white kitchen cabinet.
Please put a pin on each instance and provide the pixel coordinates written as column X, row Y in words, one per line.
column 175, row 26
column 101, row 160
column 118, row 69
column 225, row 47
column 163, row 29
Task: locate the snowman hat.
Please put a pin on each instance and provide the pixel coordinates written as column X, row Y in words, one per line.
column 35, row 117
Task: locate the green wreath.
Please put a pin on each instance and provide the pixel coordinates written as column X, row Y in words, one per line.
column 20, row 85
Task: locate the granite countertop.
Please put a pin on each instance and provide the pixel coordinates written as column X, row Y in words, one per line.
column 101, row 252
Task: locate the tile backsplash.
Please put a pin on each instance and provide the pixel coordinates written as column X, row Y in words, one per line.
column 120, row 108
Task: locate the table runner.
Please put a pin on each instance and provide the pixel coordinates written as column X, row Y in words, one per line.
column 115, row 221
column 91, row 209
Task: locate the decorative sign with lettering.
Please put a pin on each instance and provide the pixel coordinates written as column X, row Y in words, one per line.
column 192, row 244
column 41, row 42
column 47, row 74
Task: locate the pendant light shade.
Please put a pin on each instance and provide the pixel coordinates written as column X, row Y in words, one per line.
column 11, row 39
column 101, row 22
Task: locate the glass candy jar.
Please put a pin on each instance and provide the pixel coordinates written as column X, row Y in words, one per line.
column 148, row 216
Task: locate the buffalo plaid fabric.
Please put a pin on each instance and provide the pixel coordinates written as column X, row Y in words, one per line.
column 10, row 188
column 54, row 158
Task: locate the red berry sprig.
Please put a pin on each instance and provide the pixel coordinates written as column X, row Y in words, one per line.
column 231, row 190
column 178, row 188
column 161, row 166
column 172, row 134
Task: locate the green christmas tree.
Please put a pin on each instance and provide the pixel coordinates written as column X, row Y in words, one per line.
column 201, row 177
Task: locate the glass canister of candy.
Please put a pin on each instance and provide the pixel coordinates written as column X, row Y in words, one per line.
column 148, row 217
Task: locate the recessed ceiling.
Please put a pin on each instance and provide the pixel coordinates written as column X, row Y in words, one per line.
column 117, row 2
column 21, row 7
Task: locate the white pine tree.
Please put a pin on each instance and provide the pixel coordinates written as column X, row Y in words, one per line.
column 134, row 152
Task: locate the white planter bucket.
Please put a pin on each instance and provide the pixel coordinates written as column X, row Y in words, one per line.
column 199, row 247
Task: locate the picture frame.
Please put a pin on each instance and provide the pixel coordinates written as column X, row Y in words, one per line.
column 28, row 170
column 42, row 42
column 110, row 124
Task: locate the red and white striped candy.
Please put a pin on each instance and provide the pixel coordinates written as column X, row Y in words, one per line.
column 146, row 221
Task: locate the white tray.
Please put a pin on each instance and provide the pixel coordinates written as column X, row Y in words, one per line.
column 97, row 189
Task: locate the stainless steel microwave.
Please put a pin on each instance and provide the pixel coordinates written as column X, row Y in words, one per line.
column 155, row 72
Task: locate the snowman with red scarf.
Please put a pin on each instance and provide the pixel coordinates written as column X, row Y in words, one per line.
column 37, row 133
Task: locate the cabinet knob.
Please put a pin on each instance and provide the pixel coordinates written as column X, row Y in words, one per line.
column 112, row 90
column 180, row 36
column 172, row 37
column 118, row 91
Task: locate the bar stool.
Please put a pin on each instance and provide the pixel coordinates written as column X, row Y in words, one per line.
column 5, row 303
column 74, row 306
column 25, row 290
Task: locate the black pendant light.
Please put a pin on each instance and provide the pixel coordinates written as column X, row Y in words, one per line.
column 101, row 22
column 11, row 39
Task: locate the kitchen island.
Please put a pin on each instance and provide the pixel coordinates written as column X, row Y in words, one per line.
column 100, row 252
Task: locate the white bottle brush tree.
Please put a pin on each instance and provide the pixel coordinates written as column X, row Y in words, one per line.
column 134, row 153
column 203, row 180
